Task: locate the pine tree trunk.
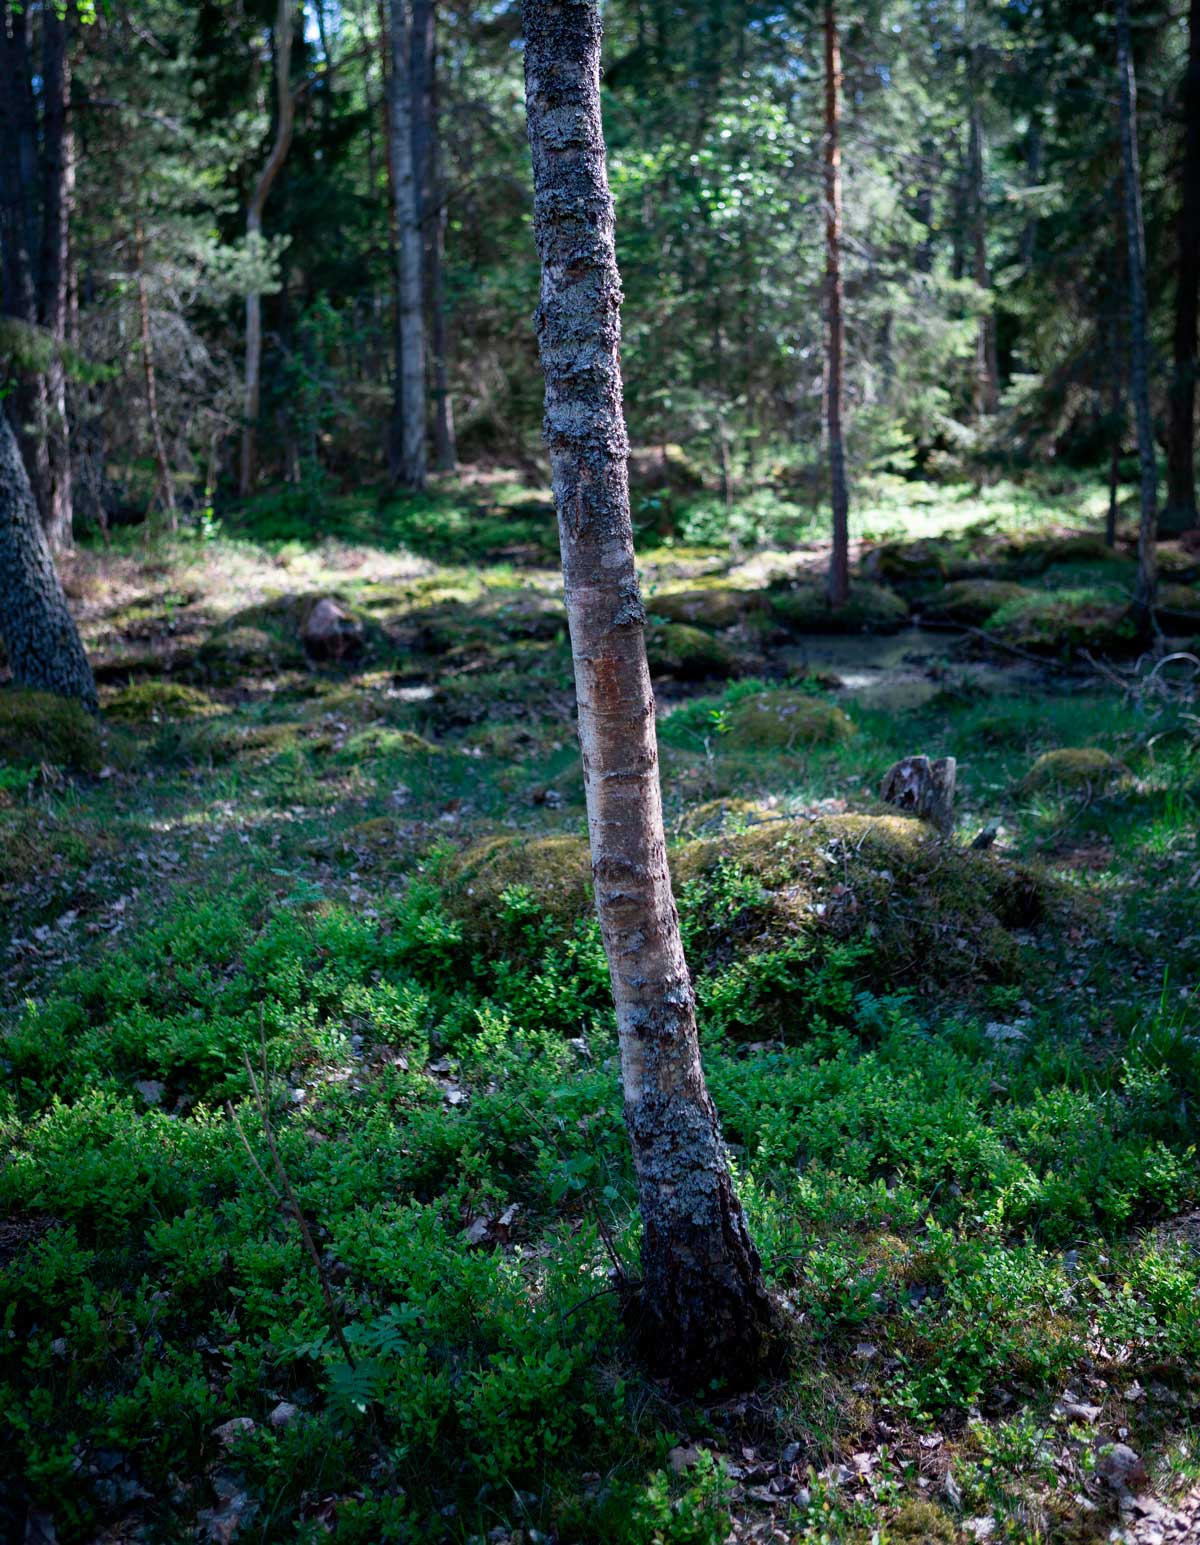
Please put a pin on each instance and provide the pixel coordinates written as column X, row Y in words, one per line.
column 704, row 1309
column 38, row 630
column 165, row 479
column 58, row 187
column 427, row 151
column 285, row 120
column 839, row 561
column 406, row 455
column 1138, row 327
column 987, row 371
column 1180, row 513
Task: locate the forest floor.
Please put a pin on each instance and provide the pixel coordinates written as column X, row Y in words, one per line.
column 288, row 927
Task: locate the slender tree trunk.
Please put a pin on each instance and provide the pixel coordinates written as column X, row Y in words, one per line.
column 39, row 633
column 1139, row 345
column 705, row 1311
column 58, row 187
column 1180, row 513
column 406, row 452
column 284, row 124
column 1033, row 170
column 427, row 150
column 987, row 372
column 1117, row 421
column 839, row 560
column 165, row 479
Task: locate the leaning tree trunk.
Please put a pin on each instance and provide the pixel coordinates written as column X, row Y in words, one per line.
column 58, row 186
column 1138, row 328
column 1180, row 513
column 839, row 560
column 285, row 120
column 39, row 633
column 705, row 1311
column 406, row 450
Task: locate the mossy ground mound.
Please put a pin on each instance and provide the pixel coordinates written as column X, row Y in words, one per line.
column 781, row 720
column 148, row 701
column 35, row 850
column 691, row 654
column 1028, row 556
column 1066, row 621
column 489, row 620
column 925, row 910
column 1084, row 768
column 870, row 608
column 228, row 740
column 265, row 639
column 712, row 606
column 973, row 601
column 908, row 563
column 37, row 727
column 1178, row 606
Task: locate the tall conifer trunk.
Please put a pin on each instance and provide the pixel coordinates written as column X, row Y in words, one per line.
column 704, row 1309
column 839, row 561
column 1139, row 379
column 58, row 187
column 432, row 204
column 1180, row 513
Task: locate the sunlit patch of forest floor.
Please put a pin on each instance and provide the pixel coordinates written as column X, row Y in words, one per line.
column 318, row 929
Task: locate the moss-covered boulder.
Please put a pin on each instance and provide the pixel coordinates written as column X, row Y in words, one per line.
column 713, row 607
column 148, row 702
column 717, row 815
column 1178, row 607
column 1062, row 622
column 1177, row 563
column 908, row 563
column 973, row 601
column 38, row 727
column 270, row 637
column 926, row 910
column 870, row 608
column 1027, row 556
column 1085, row 768
column 691, row 654
column 782, row 720
column 240, row 649
column 381, row 740
column 228, row 740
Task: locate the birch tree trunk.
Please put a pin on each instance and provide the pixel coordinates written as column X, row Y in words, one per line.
column 406, row 450
column 839, row 561
column 38, row 630
column 1138, row 330
column 58, row 186
column 704, row 1310
column 285, row 120
column 1180, row 513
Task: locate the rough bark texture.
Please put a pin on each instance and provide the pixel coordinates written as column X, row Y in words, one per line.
column 1180, row 513
column 285, row 120
column 406, row 451
column 39, row 633
column 923, row 788
column 839, row 558
column 58, row 188
column 704, row 1309
column 1138, row 329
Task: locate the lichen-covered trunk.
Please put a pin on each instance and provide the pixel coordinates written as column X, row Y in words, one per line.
column 406, row 450
column 704, row 1309
column 1180, row 513
column 40, row 638
column 1139, row 376
column 839, row 559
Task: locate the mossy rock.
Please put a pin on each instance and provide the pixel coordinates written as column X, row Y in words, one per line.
column 930, row 910
column 869, row 608
column 781, row 720
column 267, row 638
column 921, row 1523
column 149, row 701
column 1177, row 563
column 558, row 869
column 488, row 621
column 225, row 740
column 1178, row 606
column 711, row 607
column 1029, row 556
column 908, row 563
column 1065, row 621
column 37, row 727
column 718, row 815
column 973, row 601
column 675, row 649
column 380, row 740
column 1083, row 768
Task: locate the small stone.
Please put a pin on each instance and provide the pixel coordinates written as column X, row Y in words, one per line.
column 284, row 1414
column 683, row 1458
column 228, row 1432
column 1120, row 1467
column 151, row 1090
column 790, row 1454
column 330, row 632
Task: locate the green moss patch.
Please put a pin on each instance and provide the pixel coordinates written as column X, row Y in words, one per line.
column 908, row 563
column 780, row 720
column 712, row 606
column 38, row 727
column 1084, row 768
column 870, row 608
column 675, row 649
column 1178, row 606
column 1066, row 621
column 557, row 869
column 973, row 601
column 149, row 701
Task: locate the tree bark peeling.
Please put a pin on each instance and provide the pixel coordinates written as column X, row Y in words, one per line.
column 703, row 1310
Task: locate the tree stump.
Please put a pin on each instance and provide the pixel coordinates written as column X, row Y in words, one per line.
column 923, row 788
